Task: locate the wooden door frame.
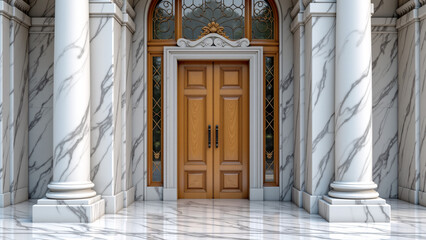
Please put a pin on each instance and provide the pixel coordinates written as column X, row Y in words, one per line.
column 254, row 55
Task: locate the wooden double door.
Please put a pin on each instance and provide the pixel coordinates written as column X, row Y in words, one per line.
column 213, row 129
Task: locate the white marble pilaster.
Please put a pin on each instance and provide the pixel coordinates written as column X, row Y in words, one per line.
column 422, row 64
column 4, row 106
column 286, row 91
column 139, row 95
column 127, row 30
column 70, row 197
column 298, row 29
column 408, row 104
column 319, row 101
column 18, row 115
column 353, row 188
column 106, row 73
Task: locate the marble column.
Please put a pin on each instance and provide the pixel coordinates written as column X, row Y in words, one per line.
column 70, row 197
column 353, row 197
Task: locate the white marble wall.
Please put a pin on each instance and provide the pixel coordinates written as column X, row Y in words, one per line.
column 320, row 27
column 385, row 109
column 106, row 138
column 40, row 126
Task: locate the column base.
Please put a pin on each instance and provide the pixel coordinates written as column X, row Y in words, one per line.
column 113, row 204
column 422, row 198
column 310, row 202
column 345, row 210
column 297, row 197
column 69, row 211
column 129, row 197
column 4, row 199
column 408, row 195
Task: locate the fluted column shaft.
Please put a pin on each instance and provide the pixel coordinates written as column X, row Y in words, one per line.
column 71, row 117
column 353, row 102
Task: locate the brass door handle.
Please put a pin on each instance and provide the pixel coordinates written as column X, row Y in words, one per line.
column 209, row 136
column 217, row 136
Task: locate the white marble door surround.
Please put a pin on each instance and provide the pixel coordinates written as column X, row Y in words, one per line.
column 217, row 48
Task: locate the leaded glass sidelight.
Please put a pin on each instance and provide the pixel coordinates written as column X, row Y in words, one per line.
column 269, row 120
column 262, row 20
column 156, row 166
column 198, row 14
column 163, row 20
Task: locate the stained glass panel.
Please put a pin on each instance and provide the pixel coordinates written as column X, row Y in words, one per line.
column 269, row 120
column 156, row 119
column 197, row 14
column 163, row 20
column 262, row 20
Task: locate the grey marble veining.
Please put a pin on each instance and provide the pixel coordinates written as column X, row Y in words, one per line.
column 385, row 111
column 208, row 219
column 40, row 124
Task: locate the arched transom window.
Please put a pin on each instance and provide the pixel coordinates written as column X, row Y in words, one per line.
column 169, row 20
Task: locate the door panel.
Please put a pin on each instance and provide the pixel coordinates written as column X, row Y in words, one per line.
column 231, row 115
column 213, row 94
column 195, row 159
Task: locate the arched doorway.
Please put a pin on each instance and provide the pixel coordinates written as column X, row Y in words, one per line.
column 165, row 24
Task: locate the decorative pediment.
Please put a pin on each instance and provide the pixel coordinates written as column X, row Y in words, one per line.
column 213, row 40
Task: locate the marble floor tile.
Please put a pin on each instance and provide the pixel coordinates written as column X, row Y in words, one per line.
column 207, row 219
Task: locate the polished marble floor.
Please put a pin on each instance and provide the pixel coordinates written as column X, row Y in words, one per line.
column 225, row 219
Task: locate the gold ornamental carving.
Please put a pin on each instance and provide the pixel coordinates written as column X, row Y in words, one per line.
column 213, row 27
